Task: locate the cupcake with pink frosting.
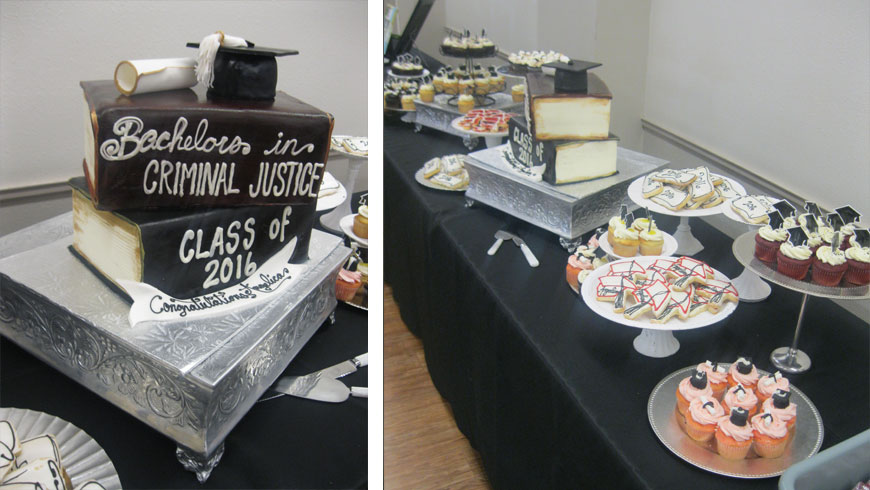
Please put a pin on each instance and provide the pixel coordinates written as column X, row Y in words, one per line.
column 734, row 435
column 695, row 386
column 739, row 396
column 717, row 376
column 768, row 385
column 770, row 435
column 743, row 372
column 702, row 417
column 347, row 284
column 780, row 405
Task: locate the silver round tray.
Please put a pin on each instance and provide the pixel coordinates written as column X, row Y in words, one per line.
column 82, row 458
column 662, row 417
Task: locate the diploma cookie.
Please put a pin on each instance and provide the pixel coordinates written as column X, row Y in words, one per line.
column 702, row 187
column 448, row 181
column 726, row 190
column 672, row 198
column 452, row 164
column 651, row 187
column 431, row 167
column 751, row 209
column 716, row 200
column 679, row 178
column 717, row 179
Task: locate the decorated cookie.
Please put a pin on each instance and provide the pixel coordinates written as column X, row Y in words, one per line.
column 753, row 209
column 672, row 198
column 651, row 187
column 702, row 187
column 431, row 167
column 678, row 304
column 650, row 297
column 450, row 181
column 614, row 289
column 679, row 178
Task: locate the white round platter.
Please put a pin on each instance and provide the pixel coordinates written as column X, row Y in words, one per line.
column 806, row 441
column 605, row 308
column 82, row 458
column 635, row 193
column 418, row 176
column 346, row 225
column 668, row 248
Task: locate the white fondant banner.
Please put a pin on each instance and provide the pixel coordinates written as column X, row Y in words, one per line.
column 266, row 283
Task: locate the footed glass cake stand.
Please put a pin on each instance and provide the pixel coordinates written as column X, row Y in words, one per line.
column 688, row 244
column 750, row 287
column 791, row 359
column 332, row 220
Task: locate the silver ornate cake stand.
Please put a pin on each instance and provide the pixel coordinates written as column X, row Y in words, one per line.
column 689, row 245
column 791, row 359
column 749, row 286
column 568, row 210
column 191, row 380
column 438, row 114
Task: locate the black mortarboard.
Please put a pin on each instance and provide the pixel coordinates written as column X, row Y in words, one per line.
column 572, row 76
column 848, row 214
column 784, row 208
column 835, row 241
column 699, row 379
column 861, row 237
column 813, row 208
column 775, row 219
column 245, row 72
column 781, row 398
column 744, row 365
column 623, row 210
column 796, row 236
column 835, row 221
column 738, row 416
column 629, row 219
column 600, row 253
column 810, row 222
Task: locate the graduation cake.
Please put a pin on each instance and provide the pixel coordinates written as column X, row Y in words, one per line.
column 567, row 125
column 190, row 190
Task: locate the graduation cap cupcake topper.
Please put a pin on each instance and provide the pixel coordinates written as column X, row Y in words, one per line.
column 623, row 210
column 848, row 214
column 861, row 237
column 784, row 208
column 774, row 219
column 744, row 365
column 699, row 379
column 796, row 236
column 234, row 68
column 739, row 416
column 781, row 398
column 836, row 221
column 813, row 208
column 810, row 223
column 571, row 76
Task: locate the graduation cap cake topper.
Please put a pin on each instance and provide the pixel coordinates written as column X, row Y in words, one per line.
column 785, row 208
column 813, row 208
column 848, row 214
column 835, row 241
column 738, row 416
column 234, row 68
column 836, row 221
column 623, row 210
column 796, row 236
column 699, row 379
column 861, row 237
column 775, row 219
column 571, row 76
column 781, row 398
column 811, row 223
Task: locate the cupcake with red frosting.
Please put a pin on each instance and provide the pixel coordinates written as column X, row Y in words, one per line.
column 741, row 397
column 793, row 260
column 702, row 417
column 768, row 385
column 743, row 372
column 734, row 435
column 770, row 435
column 695, row 386
column 829, row 266
column 780, row 405
column 858, row 265
column 347, row 284
column 717, row 376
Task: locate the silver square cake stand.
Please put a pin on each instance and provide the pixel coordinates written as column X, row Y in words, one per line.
column 438, row 115
column 567, row 210
column 193, row 380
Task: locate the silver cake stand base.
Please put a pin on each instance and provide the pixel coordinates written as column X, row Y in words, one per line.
column 190, row 380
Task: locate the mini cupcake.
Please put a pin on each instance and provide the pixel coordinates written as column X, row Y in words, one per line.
column 734, row 435
column 741, row 397
column 770, row 435
column 481, row 84
column 651, row 242
column 625, row 242
column 466, row 103
column 408, row 102
column 780, row 405
column 615, row 223
column 814, row 240
column 361, row 222
column 858, row 262
column 743, row 372
column 829, row 266
column 702, row 417
column 466, row 86
column 695, row 386
column 717, row 376
column 427, row 92
column 572, row 270
column 768, row 385
column 347, row 284
column 451, row 84
column 438, row 82
column 518, row 92
column 767, row 243
column 846, row 234
column 793, row 261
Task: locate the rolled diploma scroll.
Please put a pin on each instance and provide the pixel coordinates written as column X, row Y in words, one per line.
column 143, row 76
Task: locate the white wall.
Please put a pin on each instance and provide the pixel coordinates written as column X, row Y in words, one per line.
column 780, row 88
column 47, row 47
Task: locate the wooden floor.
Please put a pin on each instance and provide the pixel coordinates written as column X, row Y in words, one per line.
column 422, row 446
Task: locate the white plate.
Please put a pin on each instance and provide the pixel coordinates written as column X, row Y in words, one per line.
column 333, row 200
column 668, row 248
column 346, row 225
column 605, row 308
column 806, row 441
column 455, row 125
column 635, row 193
column 82, row 458
column 428, row 183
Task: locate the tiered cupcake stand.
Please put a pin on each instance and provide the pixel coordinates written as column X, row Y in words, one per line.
column 791, row 359
column 689, row 245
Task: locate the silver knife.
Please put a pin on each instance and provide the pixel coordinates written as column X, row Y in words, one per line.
column 530, row 257
column 303, row 386
column 500, row 237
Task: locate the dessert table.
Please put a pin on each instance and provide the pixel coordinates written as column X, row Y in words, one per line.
column 551, row 394
column 286, row 442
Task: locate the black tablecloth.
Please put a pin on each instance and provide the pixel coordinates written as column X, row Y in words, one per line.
column 552, row 395
column 287, row 442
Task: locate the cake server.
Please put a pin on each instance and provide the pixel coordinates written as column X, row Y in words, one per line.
column 318, row 387
column 302, row 386
column 500, row 237
column 530, row 257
